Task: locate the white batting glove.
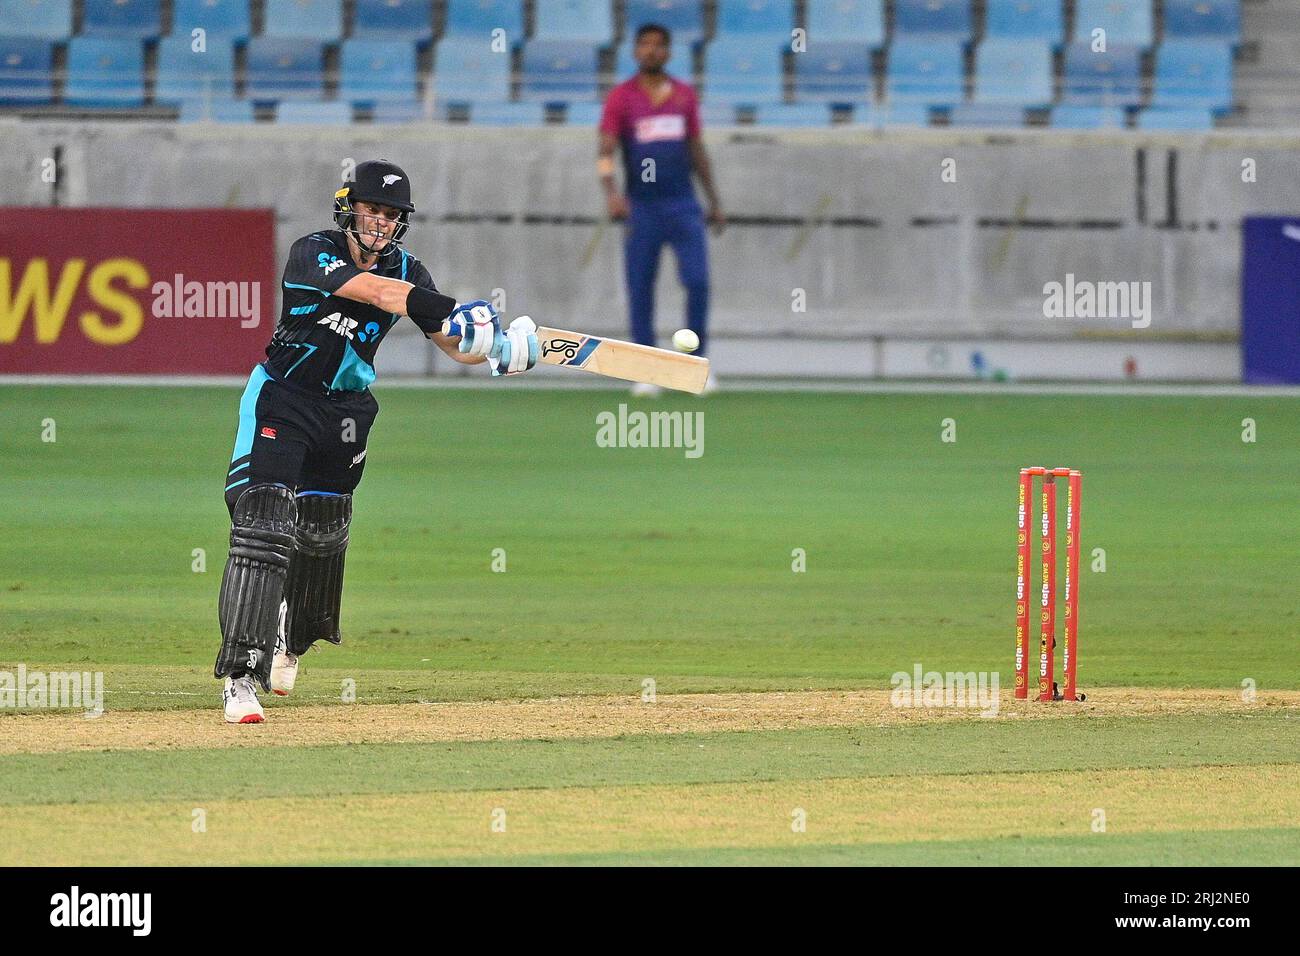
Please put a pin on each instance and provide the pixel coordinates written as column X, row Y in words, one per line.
column 519, row 348
column 478, row 326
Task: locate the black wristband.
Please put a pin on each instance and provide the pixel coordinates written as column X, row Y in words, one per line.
column 428, row 308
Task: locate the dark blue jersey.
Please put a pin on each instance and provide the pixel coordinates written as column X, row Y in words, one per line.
column 325, row 342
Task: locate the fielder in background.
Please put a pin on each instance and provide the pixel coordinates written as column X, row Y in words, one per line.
column 305, row 418
column 655, row 119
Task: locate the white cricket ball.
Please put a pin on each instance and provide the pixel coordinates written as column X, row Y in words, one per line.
column 684, row 340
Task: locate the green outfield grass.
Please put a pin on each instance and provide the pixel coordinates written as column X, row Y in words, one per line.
column 624, row 564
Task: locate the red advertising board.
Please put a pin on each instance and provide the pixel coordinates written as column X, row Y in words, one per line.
column 135, row 291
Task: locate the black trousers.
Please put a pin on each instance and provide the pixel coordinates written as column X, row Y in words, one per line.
column 306, row 441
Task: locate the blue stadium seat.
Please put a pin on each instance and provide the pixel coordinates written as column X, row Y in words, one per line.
column 583, row 113
column 792, row 114
column 374, row 70
column 280, row 68
column 856, row 21
column 26, row 71
column 227, row 19
column 683, row 18
column 183, row 74
column 1088, row 117
column 772, row 19
column 986, row 115
column 1193, row 73
column 1016, row 71
column 46, row 19
column 216, row 111
column 104, row 72
column 949, row 18
column 1125, row 21
column 1184, row 119
column 586, row 21
column 410, row 20
column 1203, row 19
column 925, row 71
column 508, row 114
column 478, row 18
column 829, row 71
column 1102, row 79
column 125, row 19
column 738, row 71
column 398, row 111
column 470, row 73
column 893, row 114
column 320, row 20
column 559, row 70
column 314, row 113
column 1030, row 19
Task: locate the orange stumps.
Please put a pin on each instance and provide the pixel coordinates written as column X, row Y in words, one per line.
column 1024, row 557
column 1047, row 618
column 1045, row 596
column 1069, row 663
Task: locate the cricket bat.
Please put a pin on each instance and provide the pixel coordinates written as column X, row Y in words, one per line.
column 625, row 360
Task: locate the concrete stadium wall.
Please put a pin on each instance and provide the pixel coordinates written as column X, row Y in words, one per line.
column 889, row 255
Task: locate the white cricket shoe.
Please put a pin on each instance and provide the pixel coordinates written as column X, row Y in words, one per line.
column 242, row 705
column 284, row 671
column 646, row 390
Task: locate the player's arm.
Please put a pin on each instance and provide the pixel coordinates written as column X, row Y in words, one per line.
column 615, row 201
column 428, row 308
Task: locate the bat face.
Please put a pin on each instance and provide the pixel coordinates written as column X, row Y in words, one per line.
column 625, row 360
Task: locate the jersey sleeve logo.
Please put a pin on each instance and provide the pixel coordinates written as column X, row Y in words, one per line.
column 329, row 263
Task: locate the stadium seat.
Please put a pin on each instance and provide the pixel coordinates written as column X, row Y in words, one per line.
column 559, row 70
column 1102, row 79
column 183, row 74
column 125, row 19
column 410, row 20
column 986, row 115
column 772, row 19
column 44, row 19
column 1193, row 73
column 792, row 114
column 227, row 19
column 104, row 72
column 855, row 21
column 478, row 18
column 925, row 71
column 374, row 70
column 737, row 72
column 314, row 113
column 1089, row 117
column 26, row 71
column 470, row 73
column 683, row 18
column 279, row 68
column 575, row 21
column 948, row 18
column 830, row 71
column 1125, row 21
column 1184, row 119
column 397, row 111
column 893, row 114
column 1203, row 19
column 320, row 20
column 217, row 111
column 1028, row 19
column 508, row 114
column 583, row 113
column 1014, row 72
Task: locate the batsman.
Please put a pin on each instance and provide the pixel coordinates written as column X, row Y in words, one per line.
column 304, row 420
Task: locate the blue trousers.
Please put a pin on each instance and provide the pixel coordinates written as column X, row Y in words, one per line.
column 680, row 224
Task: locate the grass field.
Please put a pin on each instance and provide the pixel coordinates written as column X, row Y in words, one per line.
column 504, row 717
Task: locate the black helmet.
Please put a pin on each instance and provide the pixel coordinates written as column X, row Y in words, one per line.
column 377, row 181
